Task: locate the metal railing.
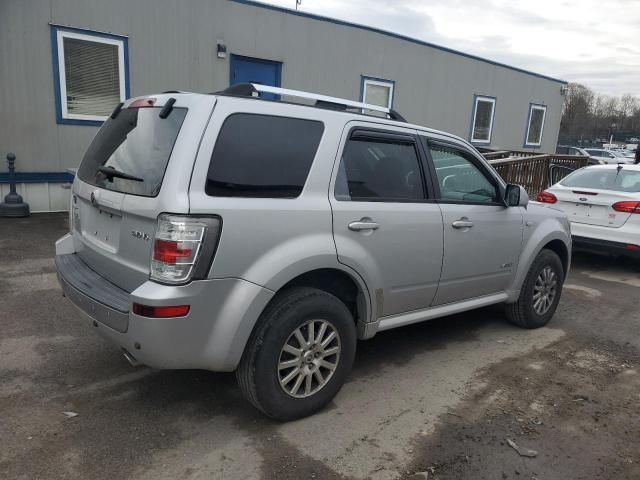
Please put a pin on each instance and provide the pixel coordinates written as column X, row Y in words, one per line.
column 558, row 172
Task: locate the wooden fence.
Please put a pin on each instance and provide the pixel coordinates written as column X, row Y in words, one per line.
column 534, row 172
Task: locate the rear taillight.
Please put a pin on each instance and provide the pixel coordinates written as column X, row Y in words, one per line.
column 172, row 253
column 546, row 197
column 183, row 247
column 626, row 207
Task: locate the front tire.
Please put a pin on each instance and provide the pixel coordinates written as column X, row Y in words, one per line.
column 299, row 355
column 540, row 292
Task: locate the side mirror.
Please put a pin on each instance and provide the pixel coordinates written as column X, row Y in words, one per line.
column 516, row 196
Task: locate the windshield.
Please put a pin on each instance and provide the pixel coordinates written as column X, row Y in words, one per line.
column 604, row 179
column 137, row 143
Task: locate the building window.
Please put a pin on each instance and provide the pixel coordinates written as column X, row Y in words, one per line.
column 483, row 114
column 535, row 125
column 90, row 73
column 376, row 91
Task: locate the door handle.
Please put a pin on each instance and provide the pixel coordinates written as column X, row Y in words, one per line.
column 364, row 224
column 464, row 222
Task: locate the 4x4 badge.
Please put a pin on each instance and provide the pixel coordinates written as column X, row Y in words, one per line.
column 142, row 235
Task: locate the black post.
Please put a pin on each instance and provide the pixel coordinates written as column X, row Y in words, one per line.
column 13, row 205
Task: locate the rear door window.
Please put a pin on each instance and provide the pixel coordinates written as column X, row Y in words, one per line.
column 262, row 156
column 375, row 170
column 137, row 143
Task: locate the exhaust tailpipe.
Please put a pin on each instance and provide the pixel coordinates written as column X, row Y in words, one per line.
column 130, row 358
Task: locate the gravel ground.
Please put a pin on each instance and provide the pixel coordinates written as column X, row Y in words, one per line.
column 440, row 400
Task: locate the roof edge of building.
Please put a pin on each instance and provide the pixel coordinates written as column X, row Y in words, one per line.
column 399, row 36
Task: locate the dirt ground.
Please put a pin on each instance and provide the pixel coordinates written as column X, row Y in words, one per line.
column 440, row 400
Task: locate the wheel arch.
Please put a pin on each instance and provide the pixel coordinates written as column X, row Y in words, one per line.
column 348, row 287
column 549, row 236
column 559, row 248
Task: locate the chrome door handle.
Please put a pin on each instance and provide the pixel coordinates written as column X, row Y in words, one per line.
column 462, row 223
column 363, row 225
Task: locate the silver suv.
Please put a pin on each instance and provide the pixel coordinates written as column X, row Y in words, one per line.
column 230, row 232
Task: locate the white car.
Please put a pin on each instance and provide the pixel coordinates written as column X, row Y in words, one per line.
column 603, row 206
column 608, row 156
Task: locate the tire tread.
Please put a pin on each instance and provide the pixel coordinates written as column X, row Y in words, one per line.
column 517, row 312
column 283, row 302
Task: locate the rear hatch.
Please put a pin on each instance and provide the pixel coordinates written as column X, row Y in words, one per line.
column 589, row 195
column 137, row 167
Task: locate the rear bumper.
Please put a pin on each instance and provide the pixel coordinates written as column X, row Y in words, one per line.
column 91, row 293
column 604, row 246
column 211, row 337
column 605, row 239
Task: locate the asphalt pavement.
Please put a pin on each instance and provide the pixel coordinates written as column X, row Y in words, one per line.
column 443, row 399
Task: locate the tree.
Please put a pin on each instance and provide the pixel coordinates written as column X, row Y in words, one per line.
column 587, row 115
column 576, row 110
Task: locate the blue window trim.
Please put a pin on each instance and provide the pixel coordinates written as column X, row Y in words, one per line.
column 473, row 114
column 56, row 69
column 38, row 177
column 234, row 58
column 526, row 127
column 363, row 78
column 380, row 31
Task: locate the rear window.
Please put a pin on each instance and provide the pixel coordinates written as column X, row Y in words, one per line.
column 604, row 179
column 137, row 143
column 262, row 156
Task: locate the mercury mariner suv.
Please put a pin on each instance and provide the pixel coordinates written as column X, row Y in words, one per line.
column 231, row 232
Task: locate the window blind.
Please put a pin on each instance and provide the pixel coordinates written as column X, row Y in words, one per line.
column 92, row 77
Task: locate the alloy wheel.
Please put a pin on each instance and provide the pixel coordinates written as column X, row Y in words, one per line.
column 309, row 358
column 545, row 290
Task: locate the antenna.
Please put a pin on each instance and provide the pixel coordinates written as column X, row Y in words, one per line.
column 298, row 2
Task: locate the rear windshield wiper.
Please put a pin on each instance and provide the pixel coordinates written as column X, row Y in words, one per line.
column 111, row 172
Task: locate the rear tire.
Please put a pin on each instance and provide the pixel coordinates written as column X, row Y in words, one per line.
column 299, row 354
column 540, row 292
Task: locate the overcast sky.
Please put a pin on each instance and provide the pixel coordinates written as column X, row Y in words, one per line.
column 594, row 42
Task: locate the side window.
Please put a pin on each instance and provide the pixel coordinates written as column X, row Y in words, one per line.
column 375, row 171
column 262, row 156
column 460, row 180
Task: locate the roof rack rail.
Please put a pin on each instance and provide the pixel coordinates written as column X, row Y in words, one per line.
column 322, row 101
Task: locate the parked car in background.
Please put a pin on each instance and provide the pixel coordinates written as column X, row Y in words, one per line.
column 608, row 156
column 281, row 234
column 603, row 205
column 567, row 150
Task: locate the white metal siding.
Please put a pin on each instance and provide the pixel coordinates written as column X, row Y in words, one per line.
column 172, row 45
